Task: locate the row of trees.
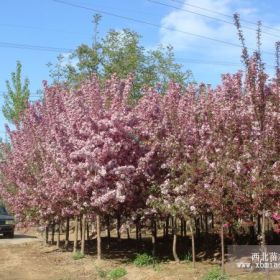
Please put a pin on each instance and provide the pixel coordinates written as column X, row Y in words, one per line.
column 182, row 154
column 89, row 150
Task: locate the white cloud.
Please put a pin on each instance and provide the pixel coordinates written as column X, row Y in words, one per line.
column 207, row 49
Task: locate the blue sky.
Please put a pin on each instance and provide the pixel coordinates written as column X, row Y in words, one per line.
column 52, row 24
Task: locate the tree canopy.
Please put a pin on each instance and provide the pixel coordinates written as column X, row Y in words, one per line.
column 16, row 98
column 120, row 52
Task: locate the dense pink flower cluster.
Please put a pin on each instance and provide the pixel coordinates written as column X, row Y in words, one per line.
column 184, row 153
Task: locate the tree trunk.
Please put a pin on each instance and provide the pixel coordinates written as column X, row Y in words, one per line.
column 128, row 233
column 174, row 245
column 118, row 227
column 136, row 231
column 182, row 227
column 53, row 231
column 264, row 249
column 47, row 234
column 252, row 229
column 166, row 228
column 185, row 228
column 87, row 231
column 201, row 223
column 67, row 233
column 83, row 234
column 197, row 228
column 81, row 228
column 206, row 224
column 193, row 244
column 263, row 228
column 154, row 233
column 259, row 224
column 75, row 235
column 58, row 236
column 98, row 239
column 108, row 228
column 223, row 248
column 140, row 232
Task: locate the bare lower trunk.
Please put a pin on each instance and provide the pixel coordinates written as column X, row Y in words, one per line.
column 166, row 227
column 174, row 246
column 83, row 234
column 223, row 248
column 206, row 224
column 75, row 235
column 47, row 234
column 259, row 224
column 53, row 230
column 58, row 236
column 118, row 227
column 87, row 231
column 98, row 239
column 108, row 229
column 154, row 232
column 264, row 248
column 81, row 231
column 136, row 231
column 193, row 243
column 182, row 227
column 263, row 229
column 140, row 232
column 67, row 233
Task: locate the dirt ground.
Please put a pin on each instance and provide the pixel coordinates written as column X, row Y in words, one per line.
column 27, row 258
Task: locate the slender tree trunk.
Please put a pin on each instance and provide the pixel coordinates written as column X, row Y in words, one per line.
column 153, row 225
column 193, row 243
column 75, row 235
column 67, row 233
column 87, row 231
column 182, row 227
column 201, row 223
column 47, row 234
column 136, row 231
column 53, row 231
column 223, row 248
column 83, row 234
column 252, row 229
column 81, row 228
column 259, row 224
column 140, row 232
column 98, row 239
column 58, row 236
column 128, row 233
column 118, row 227
column 174, row 245
column 197, row 228
column 166, row 227
column 108, row 228
column 264, row 249
column 206, row 224
column 263, row 228
column 185, row 228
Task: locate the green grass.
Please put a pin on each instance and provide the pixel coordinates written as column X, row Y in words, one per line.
column 188, row 257
column 78, row 255
column 116, row 273
column 215, row 274
column 143, row 260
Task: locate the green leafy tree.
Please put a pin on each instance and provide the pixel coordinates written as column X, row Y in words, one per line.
column 120, row 53
column 16, row 98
